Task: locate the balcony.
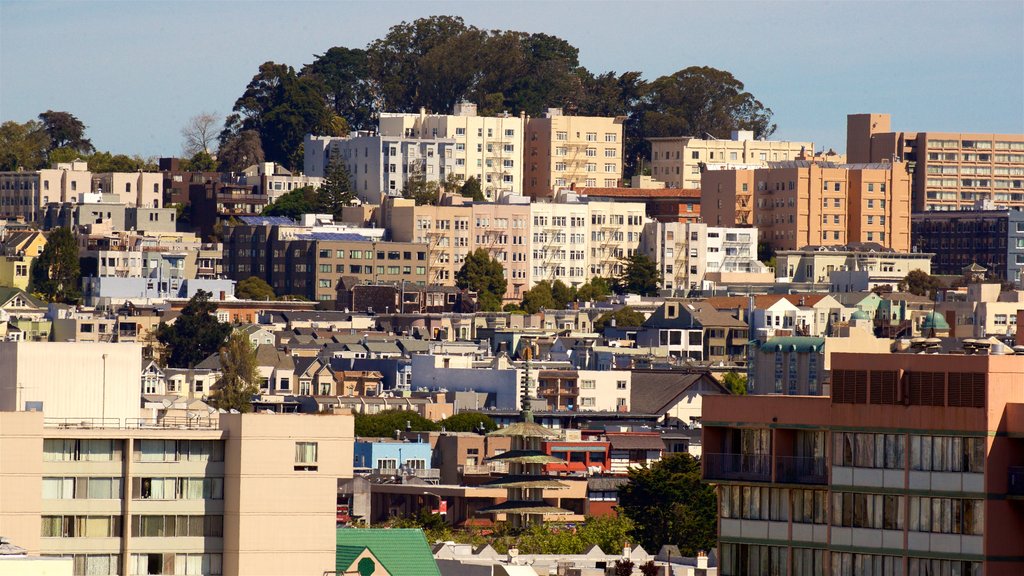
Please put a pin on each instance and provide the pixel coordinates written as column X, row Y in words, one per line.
column 484, row 469
column 753, row 467
column 1015, row 486
column 800, row 470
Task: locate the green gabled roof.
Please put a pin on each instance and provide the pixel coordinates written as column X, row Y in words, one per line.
column 794, row 344
column 401, row 551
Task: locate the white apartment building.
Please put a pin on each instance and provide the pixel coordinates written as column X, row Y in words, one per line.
column 25, row 194
column 275, row 180
column 677, row 161
column 687, row 252
column 381, row 166
column 488, row 148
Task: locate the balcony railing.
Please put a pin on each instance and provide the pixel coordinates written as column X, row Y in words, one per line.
column 1016, row 483
column 484, row 469
column 800, row 470
column 754, row 467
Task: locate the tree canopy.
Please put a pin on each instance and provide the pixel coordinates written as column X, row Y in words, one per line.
column 485, row 276
column 254, row 288
column 669, row 504
column 625, row 316
column 920, row 283
column 336, row 191
column 195, row 334
column 56, row 273
column 239, row 150
column 383, row 424
column 237, row 384
column 471, row 189
column 294, row 204
column 640, row 275
column 468, row 422
column 65, row 131
column 735, row 382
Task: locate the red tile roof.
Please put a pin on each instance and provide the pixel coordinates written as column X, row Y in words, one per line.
column 641, row 192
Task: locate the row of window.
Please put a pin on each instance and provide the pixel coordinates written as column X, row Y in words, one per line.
column 737, row 559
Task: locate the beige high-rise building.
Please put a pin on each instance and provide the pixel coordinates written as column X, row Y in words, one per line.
column 951, row 171
column 567, row 151
column 808, row 203
column 488, row 148
column 444, row 229
column 253, row 495
column 26, row 194
column 142, row 189
column 677, row 161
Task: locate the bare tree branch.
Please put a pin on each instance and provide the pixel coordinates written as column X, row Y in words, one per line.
column 200, row 133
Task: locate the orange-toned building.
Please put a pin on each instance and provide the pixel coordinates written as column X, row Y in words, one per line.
column 952, row 170
column 914, row 466
column 802, row 203
column 663, row 204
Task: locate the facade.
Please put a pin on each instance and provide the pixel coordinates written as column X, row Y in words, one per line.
column 911, row 466
column 687, row 252
column 571, row 151
column 809, row 203
column 136, row 500
column 663, row 204
column 135, row 189
column 274, row 180
column 818, row 264
column 19, row 250
column 488, row 148
column 952, row 171
column 678, row 161
column 382, row 166
column 992, row 238
column 24, row 195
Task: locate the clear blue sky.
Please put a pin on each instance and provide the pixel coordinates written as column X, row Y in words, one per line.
column 134, row 72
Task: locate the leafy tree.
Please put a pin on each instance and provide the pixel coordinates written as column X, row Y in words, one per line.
column 200, row 162
column 736, row 383
column 468, row 422
column 624, row 567
column 281, row 108
column 649, row 568
column 239, row 151
column 920, row 283
column 23, row 146
column 56, row 272
column 607, row 532
column 238, row 381
column 669, row 504
column 383, row 424
column 640, row 275
column 562, row 294
column 336, row 191
column 596, row 288
column 471, row 189
column 200, row 134
column 65, row 131
column 625, row 316
column 538, row 298
column 346, row 85
column 485, row 276
column 107, row 162
column 195, row 335
column 254, row 288
column 294, row 204
column 423, row 192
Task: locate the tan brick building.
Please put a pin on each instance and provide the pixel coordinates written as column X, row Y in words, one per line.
column 567, row 151
column 677, row 161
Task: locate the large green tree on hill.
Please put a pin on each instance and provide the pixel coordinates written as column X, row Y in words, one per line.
column 336, row 191
column 238, row 380
column 294, row 204
column 485, row 276
column 55, row 273
column 195, row 334
column 344, row 75
column 254, row 288
column 640, row 275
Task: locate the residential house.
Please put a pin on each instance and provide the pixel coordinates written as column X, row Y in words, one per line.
column 19, row 250
column 697, row 331
column 674, row 395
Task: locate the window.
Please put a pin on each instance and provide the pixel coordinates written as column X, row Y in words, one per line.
column 947, row 515
column 62, row 450
column 947, row 454
column 877, row 511
column 306, row 456
column 166, row 526
column 620, row 385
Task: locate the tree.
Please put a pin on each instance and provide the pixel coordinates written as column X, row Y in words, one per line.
column 383, row 424
column 669, row 504
column 538, row 298
column 238, row 380
column 736, row 383
column 649, row 568
column 596, row 288
column 254, row 288
column 424, row 193
column 107, row 162
column 469, row 422
column 56, row 272
column 562, row 294
column 336, row 191
column 347, row 85
column 65, row 131
column 200, row 133
column 471, row 189
column 23, row 146
column 640, row 275
column 239, row 151
column 200, row 162
column 920, row 283
column 294, row 204
column 624, row 567
column 485, row 276
column 625, row 316
column 195, row 334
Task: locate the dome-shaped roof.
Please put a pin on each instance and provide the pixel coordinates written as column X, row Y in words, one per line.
column 859, row 315
column 934, row 321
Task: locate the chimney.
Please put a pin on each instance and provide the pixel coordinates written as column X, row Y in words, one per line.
column 702, row 560
column 627, row 550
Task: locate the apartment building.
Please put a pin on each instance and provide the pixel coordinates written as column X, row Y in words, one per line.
column 488, row 148
column 678, row 161
column 24, row 195
column 445, row 230
column 135, row 189
column 991, row 238
column 687, row 252
column 663, row 204
column 571, row 151
column 274, row 180
column 306, row 262
column 145, row 498
column 380, row 165
column 912, row 466
column 810, row 203
column 819, row 264
column 952, row 171
column 503, row 230
column 982, row 310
